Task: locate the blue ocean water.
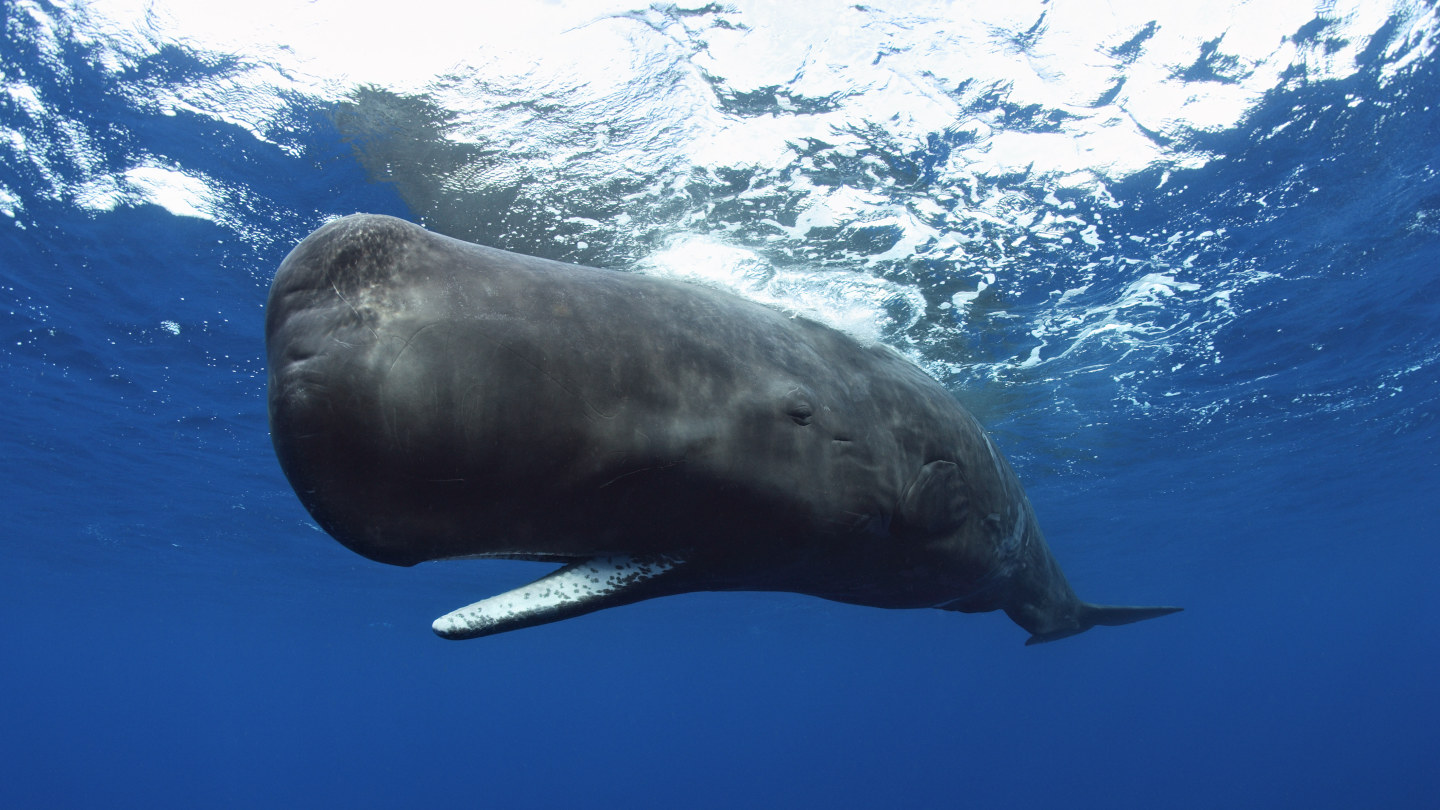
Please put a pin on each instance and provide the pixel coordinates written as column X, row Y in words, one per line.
column 1215, row 370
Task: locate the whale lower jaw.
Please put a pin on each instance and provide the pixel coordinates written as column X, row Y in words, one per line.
column 574, row 590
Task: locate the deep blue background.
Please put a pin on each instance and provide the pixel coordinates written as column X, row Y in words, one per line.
column 177, row 634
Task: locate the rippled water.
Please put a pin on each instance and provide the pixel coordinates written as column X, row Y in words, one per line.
column 975, row 186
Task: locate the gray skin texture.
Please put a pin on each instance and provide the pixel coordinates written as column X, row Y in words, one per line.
column 434, row 399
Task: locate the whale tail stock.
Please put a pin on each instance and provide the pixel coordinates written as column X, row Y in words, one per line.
column 1087, row 616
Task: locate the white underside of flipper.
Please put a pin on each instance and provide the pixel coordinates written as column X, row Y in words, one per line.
column 574, row 590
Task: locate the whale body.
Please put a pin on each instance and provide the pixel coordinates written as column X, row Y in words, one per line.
column 432, row 399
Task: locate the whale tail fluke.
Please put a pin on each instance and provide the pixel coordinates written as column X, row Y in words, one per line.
column 1088, row 616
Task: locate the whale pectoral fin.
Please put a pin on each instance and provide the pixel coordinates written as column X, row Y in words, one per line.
column 1090, row 615
column 578, row 588
column 935, row 501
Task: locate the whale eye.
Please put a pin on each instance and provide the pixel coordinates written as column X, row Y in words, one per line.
column 795, row 402
column 800, row 413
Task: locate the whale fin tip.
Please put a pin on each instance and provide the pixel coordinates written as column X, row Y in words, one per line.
column 1108, row 615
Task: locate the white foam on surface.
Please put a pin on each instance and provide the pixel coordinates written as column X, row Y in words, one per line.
column 959, row 131
column 181, row 193
column 856, row 303
column 915, row 68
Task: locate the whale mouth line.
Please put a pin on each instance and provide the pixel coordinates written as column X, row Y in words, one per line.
column 527, row 556
column 580, row 587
